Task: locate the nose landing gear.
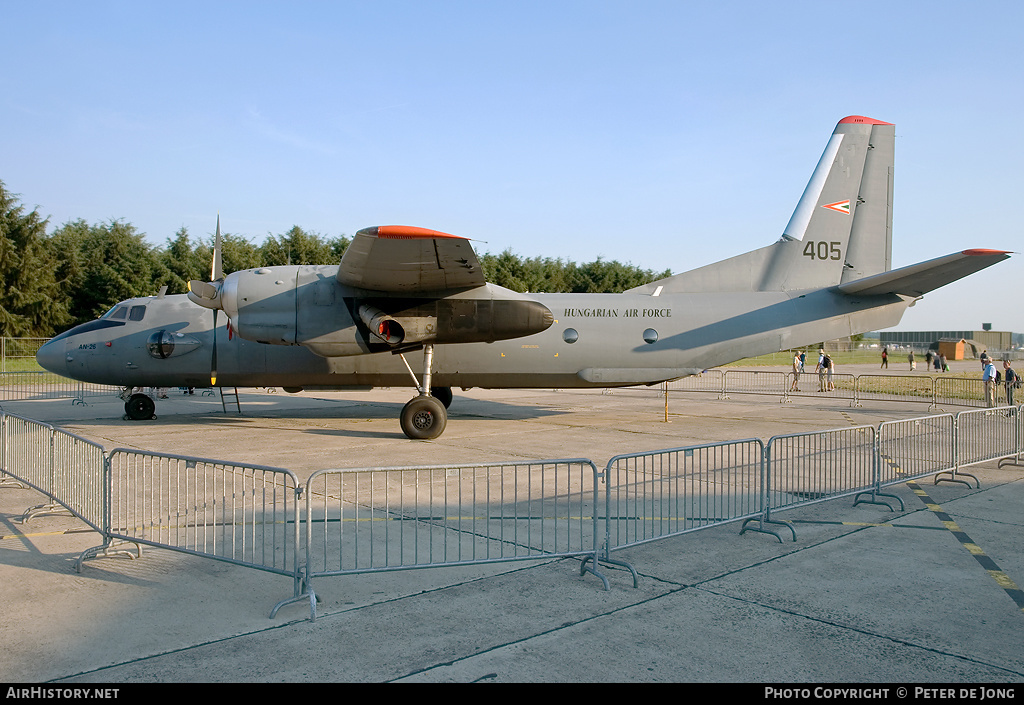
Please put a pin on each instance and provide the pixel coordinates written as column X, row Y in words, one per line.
column 139, row 407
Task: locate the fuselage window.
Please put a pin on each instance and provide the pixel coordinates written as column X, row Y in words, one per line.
column 570, row 335
column 137, row 313
column 650, row 336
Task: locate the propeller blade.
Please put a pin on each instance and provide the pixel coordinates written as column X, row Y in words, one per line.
column 213, row 360
column 217, row 269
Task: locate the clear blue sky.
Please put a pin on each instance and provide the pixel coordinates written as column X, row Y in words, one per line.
column 665, row 134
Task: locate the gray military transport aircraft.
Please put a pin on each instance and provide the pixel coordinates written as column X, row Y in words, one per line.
column 403, row 291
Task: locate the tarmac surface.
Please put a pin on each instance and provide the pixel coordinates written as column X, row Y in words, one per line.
column 864, row 595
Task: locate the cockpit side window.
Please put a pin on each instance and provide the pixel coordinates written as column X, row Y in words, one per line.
column 137, row 313
column 118, row 313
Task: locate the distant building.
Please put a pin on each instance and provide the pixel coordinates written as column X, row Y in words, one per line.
column 971, row 342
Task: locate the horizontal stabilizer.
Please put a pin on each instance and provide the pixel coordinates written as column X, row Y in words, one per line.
column 919, row 279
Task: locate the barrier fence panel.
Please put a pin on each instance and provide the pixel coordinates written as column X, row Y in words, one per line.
column 68, row 469
column 382, row 519
column 895, row 388
column 914, row 448
column 706, row 381
column 958, row 391
column 986, row 434
column 244, row 514
column 757, row 382
column 27, row 451
column 810, row 384
column 653, row 495
column 19, row 386
column 804, row 468
column 79, row 477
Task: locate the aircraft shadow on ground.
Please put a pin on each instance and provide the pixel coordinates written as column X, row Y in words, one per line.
column 342, row 411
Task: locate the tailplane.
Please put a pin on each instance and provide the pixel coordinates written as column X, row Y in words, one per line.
column 840, row 231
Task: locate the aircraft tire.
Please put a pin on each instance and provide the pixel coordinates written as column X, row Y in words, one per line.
column 443, row 395
column 423, row 418
column 139, row 407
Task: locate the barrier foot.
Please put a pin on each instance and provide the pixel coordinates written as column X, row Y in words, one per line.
column 594, row 571
column 307, row 596
column 11, row 483
column 107, row 550
column 954, row 476
column 49, row 509
column 857, row 500
column 761, row 530
column 1009, row 460
column 610, row 561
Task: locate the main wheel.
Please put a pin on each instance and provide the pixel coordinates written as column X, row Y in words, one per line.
column 443, row 395
column 423, row 418
column 139, row 407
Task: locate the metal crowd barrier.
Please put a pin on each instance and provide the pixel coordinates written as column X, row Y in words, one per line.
column 986, row 434
column 895, row 388
column 937, row 392
column 64, row 467
column 654, row 495
column 804, row 468
column 242, row 514
column 387, row 519
column 19, row 386
column 910, row 449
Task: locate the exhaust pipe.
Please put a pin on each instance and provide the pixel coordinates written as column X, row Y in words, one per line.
column 382, row 326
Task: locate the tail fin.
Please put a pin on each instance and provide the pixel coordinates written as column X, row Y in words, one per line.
column 844, row 218
column 840, row 231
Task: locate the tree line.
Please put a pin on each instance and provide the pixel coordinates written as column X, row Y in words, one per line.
column 56, row 280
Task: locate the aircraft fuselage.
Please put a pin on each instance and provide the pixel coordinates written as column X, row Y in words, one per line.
column 595, row 340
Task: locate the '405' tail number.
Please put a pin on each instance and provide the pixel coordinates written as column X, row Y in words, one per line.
column 823, row 250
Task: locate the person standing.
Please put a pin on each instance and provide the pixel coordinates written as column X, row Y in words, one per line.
column 928, row 361
column 1010, row 380
column 820, row 369
column 796, row 373
column 910, row 359
column 988, row 377
column 885, row 358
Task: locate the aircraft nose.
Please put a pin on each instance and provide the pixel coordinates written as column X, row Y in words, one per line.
column 51, row 357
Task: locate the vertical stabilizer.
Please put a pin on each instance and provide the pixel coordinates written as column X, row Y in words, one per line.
column 841, row 229
column 842, row 226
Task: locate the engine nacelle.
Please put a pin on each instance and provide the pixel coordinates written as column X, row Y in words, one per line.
column 305, row 305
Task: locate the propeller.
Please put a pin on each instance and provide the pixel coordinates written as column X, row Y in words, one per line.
column 208, row 295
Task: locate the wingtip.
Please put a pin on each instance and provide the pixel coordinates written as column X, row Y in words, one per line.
column 981, row 252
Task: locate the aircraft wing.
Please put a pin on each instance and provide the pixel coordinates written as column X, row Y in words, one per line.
column 404, row 259
column 919, row 279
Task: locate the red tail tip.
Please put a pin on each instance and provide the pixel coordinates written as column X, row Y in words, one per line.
column 861, row 120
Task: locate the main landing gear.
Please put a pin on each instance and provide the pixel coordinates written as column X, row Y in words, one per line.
column 424, row 417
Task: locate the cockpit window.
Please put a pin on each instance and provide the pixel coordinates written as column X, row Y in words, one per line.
column 137, row 313
column 117, row 313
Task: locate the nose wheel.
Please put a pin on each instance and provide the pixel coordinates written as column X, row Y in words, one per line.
column 139, row 407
